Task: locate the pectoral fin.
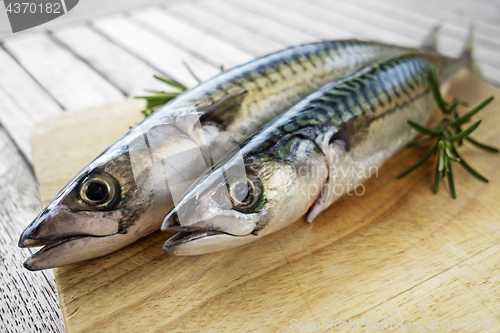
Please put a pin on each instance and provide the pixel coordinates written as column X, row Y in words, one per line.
column 224, row 109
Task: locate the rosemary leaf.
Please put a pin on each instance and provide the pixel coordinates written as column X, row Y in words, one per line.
column 466, row 117
column 418, row 142
column 191, row 71
column 422, row 129
column 450, row 155
column 451, row 181
column 439, row 126
column 434, row 81
column 419, row 163
column 436, row 179
column 462, row 135
column 159, row 92
column 469, row 169
column 483, row 146
column 172, row 83
column 441, row 156
column 453, row 106
column 159, row 97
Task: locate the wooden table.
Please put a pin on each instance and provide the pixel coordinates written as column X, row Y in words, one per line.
column 102, row 54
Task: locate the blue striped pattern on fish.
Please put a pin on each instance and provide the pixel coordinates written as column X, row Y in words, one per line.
column 355, row 123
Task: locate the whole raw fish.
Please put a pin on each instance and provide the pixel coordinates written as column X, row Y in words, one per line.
column 309, row 156
column 125, row 193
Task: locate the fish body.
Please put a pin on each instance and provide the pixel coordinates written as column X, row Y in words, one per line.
column 306, row 158
column 125, row 193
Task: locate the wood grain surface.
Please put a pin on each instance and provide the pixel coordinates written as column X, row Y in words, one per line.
column 60, row 72
column 398, row 253
column 17, row 113
column 109, row 47
column 28, row 302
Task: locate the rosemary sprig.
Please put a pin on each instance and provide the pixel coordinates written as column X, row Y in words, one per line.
column 445, row 135
column 160, row 98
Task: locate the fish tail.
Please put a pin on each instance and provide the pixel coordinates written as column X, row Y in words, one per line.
column 468, row 51
column 431, row 40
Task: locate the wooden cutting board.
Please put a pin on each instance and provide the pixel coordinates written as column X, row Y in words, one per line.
column 398, row 253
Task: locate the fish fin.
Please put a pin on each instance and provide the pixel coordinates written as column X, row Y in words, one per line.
column 335, row 144
column 327, row 194
column 468, row 51
column 430, row 41
column 224, row 108
column 319, row 205
column 332, row 146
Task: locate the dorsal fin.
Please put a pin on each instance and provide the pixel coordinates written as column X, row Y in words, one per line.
column 468, row 51
column 430, row 42
column 224, row 108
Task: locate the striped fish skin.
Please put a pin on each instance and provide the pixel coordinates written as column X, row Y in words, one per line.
column 272, row 84
column 120, row 197
column 299, row 161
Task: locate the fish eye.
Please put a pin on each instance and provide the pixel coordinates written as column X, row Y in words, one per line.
column 99, row 192
column 241, row 191
column 246, row 194
column 96, row 191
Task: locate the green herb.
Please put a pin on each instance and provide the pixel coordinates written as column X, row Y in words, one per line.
column 446, row 135
column 160, row 98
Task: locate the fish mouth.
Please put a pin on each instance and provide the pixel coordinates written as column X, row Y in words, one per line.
column 194, row 243
column 191, row 241
column 185, row 234
column 54, row 250
column 183, row 237
column 195, row 240
column 26, row 241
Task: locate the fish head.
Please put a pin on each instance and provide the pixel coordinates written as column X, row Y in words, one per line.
column 118, row 198
column 94, row 214
column 242, row 200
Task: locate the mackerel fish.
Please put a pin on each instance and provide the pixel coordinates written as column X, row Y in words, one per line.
column 126, row 192
column 303, row 160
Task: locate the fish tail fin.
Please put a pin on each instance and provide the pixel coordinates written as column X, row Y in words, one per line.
column 431, row 40
column 468, row 51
